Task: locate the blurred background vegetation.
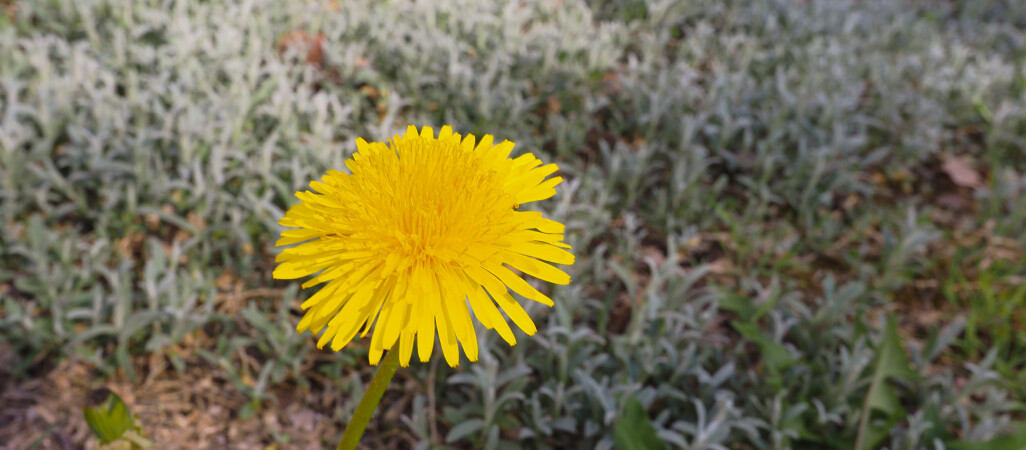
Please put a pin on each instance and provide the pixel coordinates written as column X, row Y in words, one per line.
column 754, row 188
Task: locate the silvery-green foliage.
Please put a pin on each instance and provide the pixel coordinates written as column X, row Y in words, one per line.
column 147, row 147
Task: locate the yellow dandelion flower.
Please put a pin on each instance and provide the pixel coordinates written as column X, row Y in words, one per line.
column 419, row 233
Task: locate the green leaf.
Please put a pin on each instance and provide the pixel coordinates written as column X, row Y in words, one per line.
column 464, row 429
column 249, row 409
column 891, row 362
column 932, row 414
column 107, row 415
column 774, row 354
column 634, row 430
column 737, row 304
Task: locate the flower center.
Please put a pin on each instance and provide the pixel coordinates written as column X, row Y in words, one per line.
column 433, row 201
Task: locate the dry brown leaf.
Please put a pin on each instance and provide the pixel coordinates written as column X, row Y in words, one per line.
column 553, row 105
column 721, row 266
column 653, row 253
column 962, row 172
column 302, row 40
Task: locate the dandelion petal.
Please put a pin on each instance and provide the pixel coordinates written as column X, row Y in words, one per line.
column 419, row 236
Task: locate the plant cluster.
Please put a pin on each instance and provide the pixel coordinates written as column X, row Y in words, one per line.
column 752, row 189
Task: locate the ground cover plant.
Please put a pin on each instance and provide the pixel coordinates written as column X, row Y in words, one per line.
column 797, row 224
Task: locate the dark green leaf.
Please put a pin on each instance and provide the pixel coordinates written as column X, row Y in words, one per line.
column 891, row 362
column 634, row 430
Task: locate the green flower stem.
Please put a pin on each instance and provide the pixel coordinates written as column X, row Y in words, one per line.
column 369, row 402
